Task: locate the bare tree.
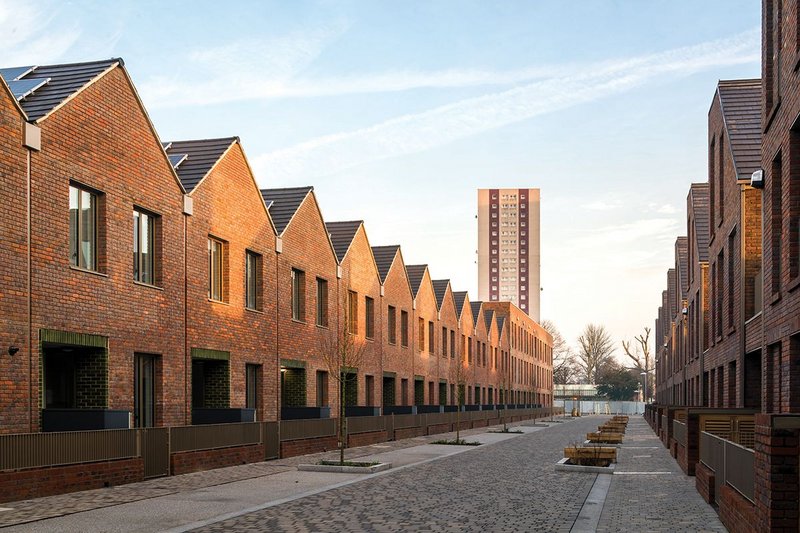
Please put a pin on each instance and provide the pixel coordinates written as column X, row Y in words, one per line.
column 459, row 373
column 638, row 351
column 341, row 352
column 564, row 367
column 596, row 350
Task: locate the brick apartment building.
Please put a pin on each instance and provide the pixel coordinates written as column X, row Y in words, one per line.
column 154, row 284
column 742, row 314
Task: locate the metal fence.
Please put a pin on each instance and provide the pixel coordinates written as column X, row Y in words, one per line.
column 307, row 429
column 27, row 450
column 211, row 436
column 732, row 464
column 679, row 432
column 601, row 407
column 365, row 424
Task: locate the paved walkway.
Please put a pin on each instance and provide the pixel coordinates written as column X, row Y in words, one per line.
column 508, row 484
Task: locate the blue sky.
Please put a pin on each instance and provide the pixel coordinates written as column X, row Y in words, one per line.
column 398, row 111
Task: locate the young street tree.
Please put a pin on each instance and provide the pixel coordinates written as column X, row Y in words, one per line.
column 342, row 352
column 638, row 351
column 596, row 350
column 459, row 372
column 564, row 367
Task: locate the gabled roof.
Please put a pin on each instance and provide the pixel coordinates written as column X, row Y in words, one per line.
column 476, row 310
column 384, row 257
column 193, row 160
column 699, row 201
column 439, row 290
column 682, row 265
column 415, row 275
column 342, row 234
column 282, row 204
column 740, row 103
column 487, row 317
column 501, row 320
column 672, row 299
column 40, row 89
column 460, row 297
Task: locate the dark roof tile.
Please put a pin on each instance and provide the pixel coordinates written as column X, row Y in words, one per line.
column 415, row 275
column 440, row 289
column 282, row 204
column 682, row 265
column 487, row 316
column 476, row 310
column 740, row 102
column 459, row 297
column 384, row 257
column 200, row 157
column 342, row 235
column 699, row 203
column 63, row 81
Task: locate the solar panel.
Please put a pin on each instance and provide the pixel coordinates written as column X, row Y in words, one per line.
column 177, row 159
column 13, row 73
column 166, row 145
column 23, row 88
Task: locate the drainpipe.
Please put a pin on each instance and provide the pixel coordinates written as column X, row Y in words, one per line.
column 701, row 332
column 740, row 370
column 278, row 251
column 32, row 141
column 186, row 359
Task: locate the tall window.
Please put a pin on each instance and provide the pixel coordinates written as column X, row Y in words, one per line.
column 251, row 385
column 144, row 238
column 369, row 310
column 252, row 285
column 444, row 342
column 352, row 312
column 298, row 295
column 322, row 302
column 452, row 343
column 776, row 219
column 216, row 269
column 82, row 228
column 392, row 319
column 731, row 284
column 404, row 328
column 431, row 343
column 421, row 334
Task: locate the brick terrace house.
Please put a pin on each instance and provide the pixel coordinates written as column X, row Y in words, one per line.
column 359, row 309
column 396, row 307
column 466, row 325
column 697, row 298
column 90, row 310
column 428, row 352
column 230, row 266
column 307, row 297
column 448, row 321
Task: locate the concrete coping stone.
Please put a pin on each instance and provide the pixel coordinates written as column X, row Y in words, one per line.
column 562, row 466
column 380, row 467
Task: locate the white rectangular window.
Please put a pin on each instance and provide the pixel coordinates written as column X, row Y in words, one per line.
column 82, row 228
column 144, row 229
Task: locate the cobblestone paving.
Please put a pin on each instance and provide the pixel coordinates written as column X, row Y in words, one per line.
column 508, row 486
column 25, row 511
column 653, row 502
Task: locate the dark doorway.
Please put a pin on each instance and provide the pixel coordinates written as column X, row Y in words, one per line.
column 144, row 391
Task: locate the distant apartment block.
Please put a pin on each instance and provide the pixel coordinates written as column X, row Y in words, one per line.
column 508, row 247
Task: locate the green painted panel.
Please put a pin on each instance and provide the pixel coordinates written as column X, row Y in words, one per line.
column 205, row 353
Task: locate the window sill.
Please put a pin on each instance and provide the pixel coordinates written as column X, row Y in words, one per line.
column 251, row 310
column 320, row 326
column 296, row 321
column 220, row 302
column 147, row 285
column 793, row 284
column 775, row 298
column 87, row 271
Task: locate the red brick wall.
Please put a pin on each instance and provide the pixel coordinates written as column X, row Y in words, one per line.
column 736, row 512
column 102, row 139
column 228, row 206
column 396, row 357
column 360, row 275
column 306, row 246
column 197, row 461
column 365, row 439
column 781, row 318
column 777, row 474
column 14, row 415
column 433, row 429
column 448, row 318
column 293, row 448
column 426, row 364
column 408, row 433
column 39, row 482
column 704, row 482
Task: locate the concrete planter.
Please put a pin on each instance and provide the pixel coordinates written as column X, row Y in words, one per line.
column 564, row 466
column 345, row 469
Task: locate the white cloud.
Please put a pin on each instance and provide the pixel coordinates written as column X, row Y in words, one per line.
column 420, row 131
column 28, row 39
column 601, row 205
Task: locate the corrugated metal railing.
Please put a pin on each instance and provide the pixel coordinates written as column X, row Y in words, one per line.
column 679, row 432
column 208, row 437
column 732, row 464
column 307, row 429
column 26, row 450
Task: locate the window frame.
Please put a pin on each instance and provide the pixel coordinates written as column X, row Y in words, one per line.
column 216, row 267
column 253, row 268
column 369, row 317
column 322, row 318
column 152, row 223
column 75, row 240
column 298, row 295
